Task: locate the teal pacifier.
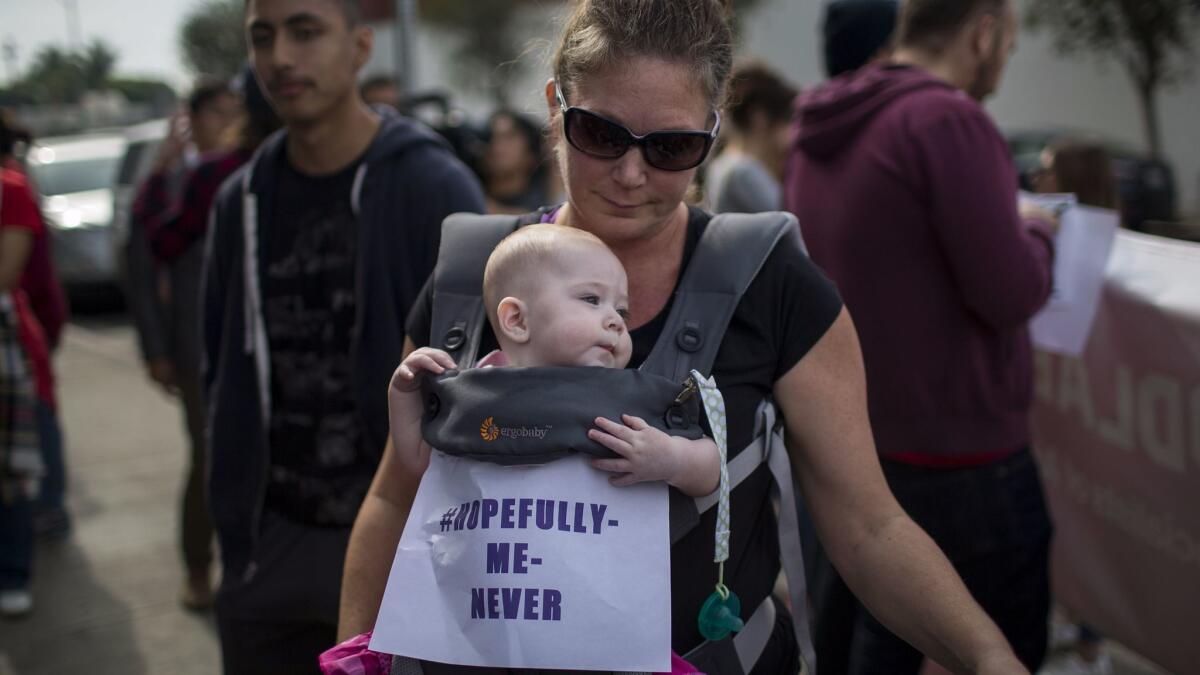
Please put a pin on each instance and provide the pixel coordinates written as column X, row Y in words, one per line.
column 720, row 615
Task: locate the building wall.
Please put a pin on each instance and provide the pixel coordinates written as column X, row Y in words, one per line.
column 1041, row 88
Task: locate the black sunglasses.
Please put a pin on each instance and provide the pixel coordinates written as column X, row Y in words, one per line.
column 603, row 138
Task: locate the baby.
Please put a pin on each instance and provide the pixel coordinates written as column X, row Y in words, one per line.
column 557, row 296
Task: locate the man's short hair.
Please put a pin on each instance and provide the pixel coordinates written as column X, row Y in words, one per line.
column 931, row 24
column 205, row 92
column 351, row 9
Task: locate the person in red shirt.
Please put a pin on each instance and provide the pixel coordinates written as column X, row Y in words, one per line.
column 25, row 375
column 48, row 302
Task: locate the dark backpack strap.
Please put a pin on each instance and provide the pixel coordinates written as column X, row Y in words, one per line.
column 732, row 250
column 458, row 316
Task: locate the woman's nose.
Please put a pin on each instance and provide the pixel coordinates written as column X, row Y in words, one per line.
column 629, row 170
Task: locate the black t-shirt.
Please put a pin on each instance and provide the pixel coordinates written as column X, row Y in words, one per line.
column 787, row 308
column 320, row 466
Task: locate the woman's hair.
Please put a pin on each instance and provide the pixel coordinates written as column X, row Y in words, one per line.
column 260, row 120
column 600, row 33
column 755, row 86
column 530, row 130
column 1086, row 169
column 11, row 134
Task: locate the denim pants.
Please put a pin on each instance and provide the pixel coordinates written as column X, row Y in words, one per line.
column 991, row 522
column 16, row 543
column 54, row 483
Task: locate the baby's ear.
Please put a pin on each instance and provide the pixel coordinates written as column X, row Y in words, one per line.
column 512, row 320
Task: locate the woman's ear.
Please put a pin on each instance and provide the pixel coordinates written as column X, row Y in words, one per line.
column 551, row 100
column 512, row 319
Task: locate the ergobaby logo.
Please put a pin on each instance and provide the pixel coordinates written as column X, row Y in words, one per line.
column 490, row 431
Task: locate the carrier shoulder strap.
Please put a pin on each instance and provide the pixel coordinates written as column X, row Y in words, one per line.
column 458, row 317
column 730, row 254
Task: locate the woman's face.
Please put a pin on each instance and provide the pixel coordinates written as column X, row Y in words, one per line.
column 508, row 151
column 1046, row 179
column 626, row 199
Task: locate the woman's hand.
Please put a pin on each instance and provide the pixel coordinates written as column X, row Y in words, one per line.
column 648, row 454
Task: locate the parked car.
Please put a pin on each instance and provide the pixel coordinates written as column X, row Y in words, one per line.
column 1146, row 185
column 75, row 176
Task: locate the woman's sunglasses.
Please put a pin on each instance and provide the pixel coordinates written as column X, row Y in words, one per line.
column 603, row 138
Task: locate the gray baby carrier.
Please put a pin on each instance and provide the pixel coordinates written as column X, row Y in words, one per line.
column 730, row 254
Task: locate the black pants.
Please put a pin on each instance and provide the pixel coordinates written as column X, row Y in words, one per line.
column 280, row 619
column 992, row 523
column 196, row 528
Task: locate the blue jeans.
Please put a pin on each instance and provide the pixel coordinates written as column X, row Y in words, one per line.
column 16, row 543
column 991, row 522
column 54, row 483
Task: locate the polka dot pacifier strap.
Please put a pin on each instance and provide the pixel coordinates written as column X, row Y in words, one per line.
column 720, row 614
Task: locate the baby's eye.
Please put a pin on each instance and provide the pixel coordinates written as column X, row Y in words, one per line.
column 591, row 299
column 623, row 313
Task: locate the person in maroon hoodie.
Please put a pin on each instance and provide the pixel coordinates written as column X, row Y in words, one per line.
column 906, row 194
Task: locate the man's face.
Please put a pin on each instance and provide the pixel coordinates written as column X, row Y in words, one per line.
column 992, row 63
column 211, row 123
column 306, row 55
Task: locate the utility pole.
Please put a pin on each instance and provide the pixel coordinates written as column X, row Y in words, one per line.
column 403, row 53
column 11, row 73
column 74, row 29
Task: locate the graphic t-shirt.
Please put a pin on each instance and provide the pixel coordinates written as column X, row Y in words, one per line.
column 785, row 311
column 320, row 467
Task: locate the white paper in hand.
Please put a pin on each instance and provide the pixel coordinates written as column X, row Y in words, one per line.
column 1082, row 248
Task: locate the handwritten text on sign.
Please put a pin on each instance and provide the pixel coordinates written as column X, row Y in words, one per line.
column 530, row 567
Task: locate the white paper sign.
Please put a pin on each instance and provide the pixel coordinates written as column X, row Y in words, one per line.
column 531, row 567
column 1082, row 247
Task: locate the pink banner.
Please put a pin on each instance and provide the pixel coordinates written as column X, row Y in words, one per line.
column 1117, row 433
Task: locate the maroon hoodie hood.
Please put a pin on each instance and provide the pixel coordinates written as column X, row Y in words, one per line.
column 831, row 115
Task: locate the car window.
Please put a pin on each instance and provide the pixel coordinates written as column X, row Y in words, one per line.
column 69, row 176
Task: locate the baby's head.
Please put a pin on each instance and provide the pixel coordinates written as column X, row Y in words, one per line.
column 557, row 296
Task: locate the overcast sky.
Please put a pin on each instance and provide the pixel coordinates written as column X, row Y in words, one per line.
column 143, row 32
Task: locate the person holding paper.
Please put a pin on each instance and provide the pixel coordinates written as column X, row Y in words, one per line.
column 906, row 193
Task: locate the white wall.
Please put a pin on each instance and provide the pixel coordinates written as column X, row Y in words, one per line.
column 1041, row 88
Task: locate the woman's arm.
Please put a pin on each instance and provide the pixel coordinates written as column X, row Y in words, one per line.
column 374, row 539
column 15, row 245
column 889, row 562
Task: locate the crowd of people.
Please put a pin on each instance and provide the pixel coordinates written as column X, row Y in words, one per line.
column 279, row 259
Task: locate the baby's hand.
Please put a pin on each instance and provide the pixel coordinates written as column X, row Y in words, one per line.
column 647, row 454
column 426, row 359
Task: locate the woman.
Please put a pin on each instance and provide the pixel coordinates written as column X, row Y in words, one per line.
column 24, row 374
column 639, row 66
column 1084, row 169
column 745, row 177
column 174, row 232
column 512, row 164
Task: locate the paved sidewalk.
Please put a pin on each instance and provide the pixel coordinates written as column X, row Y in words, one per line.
column 106, row 595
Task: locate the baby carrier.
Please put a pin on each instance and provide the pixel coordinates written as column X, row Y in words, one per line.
column 729, row 255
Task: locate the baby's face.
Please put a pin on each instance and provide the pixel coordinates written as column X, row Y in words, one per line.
column 578, row 316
